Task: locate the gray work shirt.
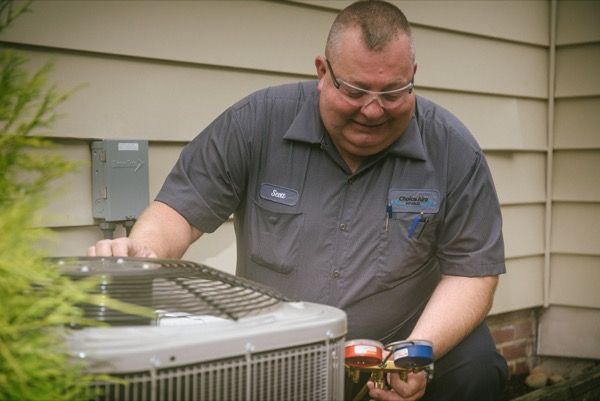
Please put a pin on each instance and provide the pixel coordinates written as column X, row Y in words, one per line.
column 373, row 243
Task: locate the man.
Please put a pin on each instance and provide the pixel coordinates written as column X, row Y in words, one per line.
column 352, row 191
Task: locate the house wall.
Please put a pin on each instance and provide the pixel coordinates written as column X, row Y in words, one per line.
column 570, row 326
column 162, row 71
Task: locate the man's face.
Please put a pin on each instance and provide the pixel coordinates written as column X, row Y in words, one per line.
column 358, row 124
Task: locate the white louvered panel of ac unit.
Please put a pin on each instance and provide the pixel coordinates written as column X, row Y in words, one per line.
column 313, row 372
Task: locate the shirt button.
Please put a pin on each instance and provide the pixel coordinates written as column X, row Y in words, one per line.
column 350, row 180
column 343, row 227
column 336, row 274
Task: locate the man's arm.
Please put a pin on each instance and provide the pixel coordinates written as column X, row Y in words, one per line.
column 159, row 232
column 457, row 306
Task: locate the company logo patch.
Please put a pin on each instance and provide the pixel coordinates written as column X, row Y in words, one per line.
column 278, row 194
column 414, row 200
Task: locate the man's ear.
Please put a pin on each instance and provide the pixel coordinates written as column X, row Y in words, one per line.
column 321, row 66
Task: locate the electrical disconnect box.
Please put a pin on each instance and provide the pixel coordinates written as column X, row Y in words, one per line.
column 119, row 179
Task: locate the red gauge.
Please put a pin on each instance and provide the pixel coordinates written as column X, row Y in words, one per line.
column 360, row 353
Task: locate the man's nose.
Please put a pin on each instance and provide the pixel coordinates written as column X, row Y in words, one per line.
column 373, row 108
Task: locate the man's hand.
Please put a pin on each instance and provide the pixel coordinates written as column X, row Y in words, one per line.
column 120, row 247
column 410, row 390
column 160, row 232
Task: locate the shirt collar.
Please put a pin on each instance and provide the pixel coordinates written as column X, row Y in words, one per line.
column 410, row 143
column 308, row 127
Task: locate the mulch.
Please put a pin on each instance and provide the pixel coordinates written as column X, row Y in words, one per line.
column 515, row 387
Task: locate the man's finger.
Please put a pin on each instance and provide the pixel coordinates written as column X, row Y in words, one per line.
column 411, row 389
column 379, row 394
column 108, row 247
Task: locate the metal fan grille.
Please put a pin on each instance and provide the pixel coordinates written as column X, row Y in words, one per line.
column 310, row 372
column 172, row 288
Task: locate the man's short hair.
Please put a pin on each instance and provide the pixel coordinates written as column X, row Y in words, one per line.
column 379, row 22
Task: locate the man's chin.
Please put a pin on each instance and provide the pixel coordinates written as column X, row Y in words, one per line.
column 366, row 148
column 366, row 139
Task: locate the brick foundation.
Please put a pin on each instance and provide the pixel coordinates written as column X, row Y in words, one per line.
column 515, row 336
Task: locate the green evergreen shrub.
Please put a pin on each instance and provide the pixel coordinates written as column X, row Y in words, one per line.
column 37, row 303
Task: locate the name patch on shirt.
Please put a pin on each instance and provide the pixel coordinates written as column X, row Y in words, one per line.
column 414, row 200
column 278, row 194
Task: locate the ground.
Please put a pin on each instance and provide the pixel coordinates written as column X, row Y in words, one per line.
column 515, row 387
column 567, row 368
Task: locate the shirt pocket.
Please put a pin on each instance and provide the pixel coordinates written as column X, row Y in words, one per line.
column 406, row 243
column 275, row 238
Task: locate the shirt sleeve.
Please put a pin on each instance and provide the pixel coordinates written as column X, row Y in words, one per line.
column 206, row 184
column 470, row 238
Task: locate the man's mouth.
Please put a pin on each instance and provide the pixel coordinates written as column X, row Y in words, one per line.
column 369, row 125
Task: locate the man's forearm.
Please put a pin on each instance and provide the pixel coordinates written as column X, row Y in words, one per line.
column 163, row 230
column 456, row 307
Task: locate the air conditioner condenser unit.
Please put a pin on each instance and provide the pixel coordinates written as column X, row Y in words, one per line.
column 213, row 337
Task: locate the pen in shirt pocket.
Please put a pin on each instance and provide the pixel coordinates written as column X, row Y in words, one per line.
column 420, row 218
column 388, row 215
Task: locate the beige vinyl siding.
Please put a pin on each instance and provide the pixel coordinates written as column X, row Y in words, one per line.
column 576, row 177
column 523, row 230
column 578, row 231
column 233, row 34
column 577, row 69
column 461, row 62
column 523, row 286
column 126, row 97
column 75, row 189
column 519, row 176
column 562, row 322
column 576, row 123
column 575, row 243
column 574, row 268
column 513, row 20
column 574, row 282
column 69, row 202
column 256, row 35
column 578, row 22
column 499, row 122
column 162, row 71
